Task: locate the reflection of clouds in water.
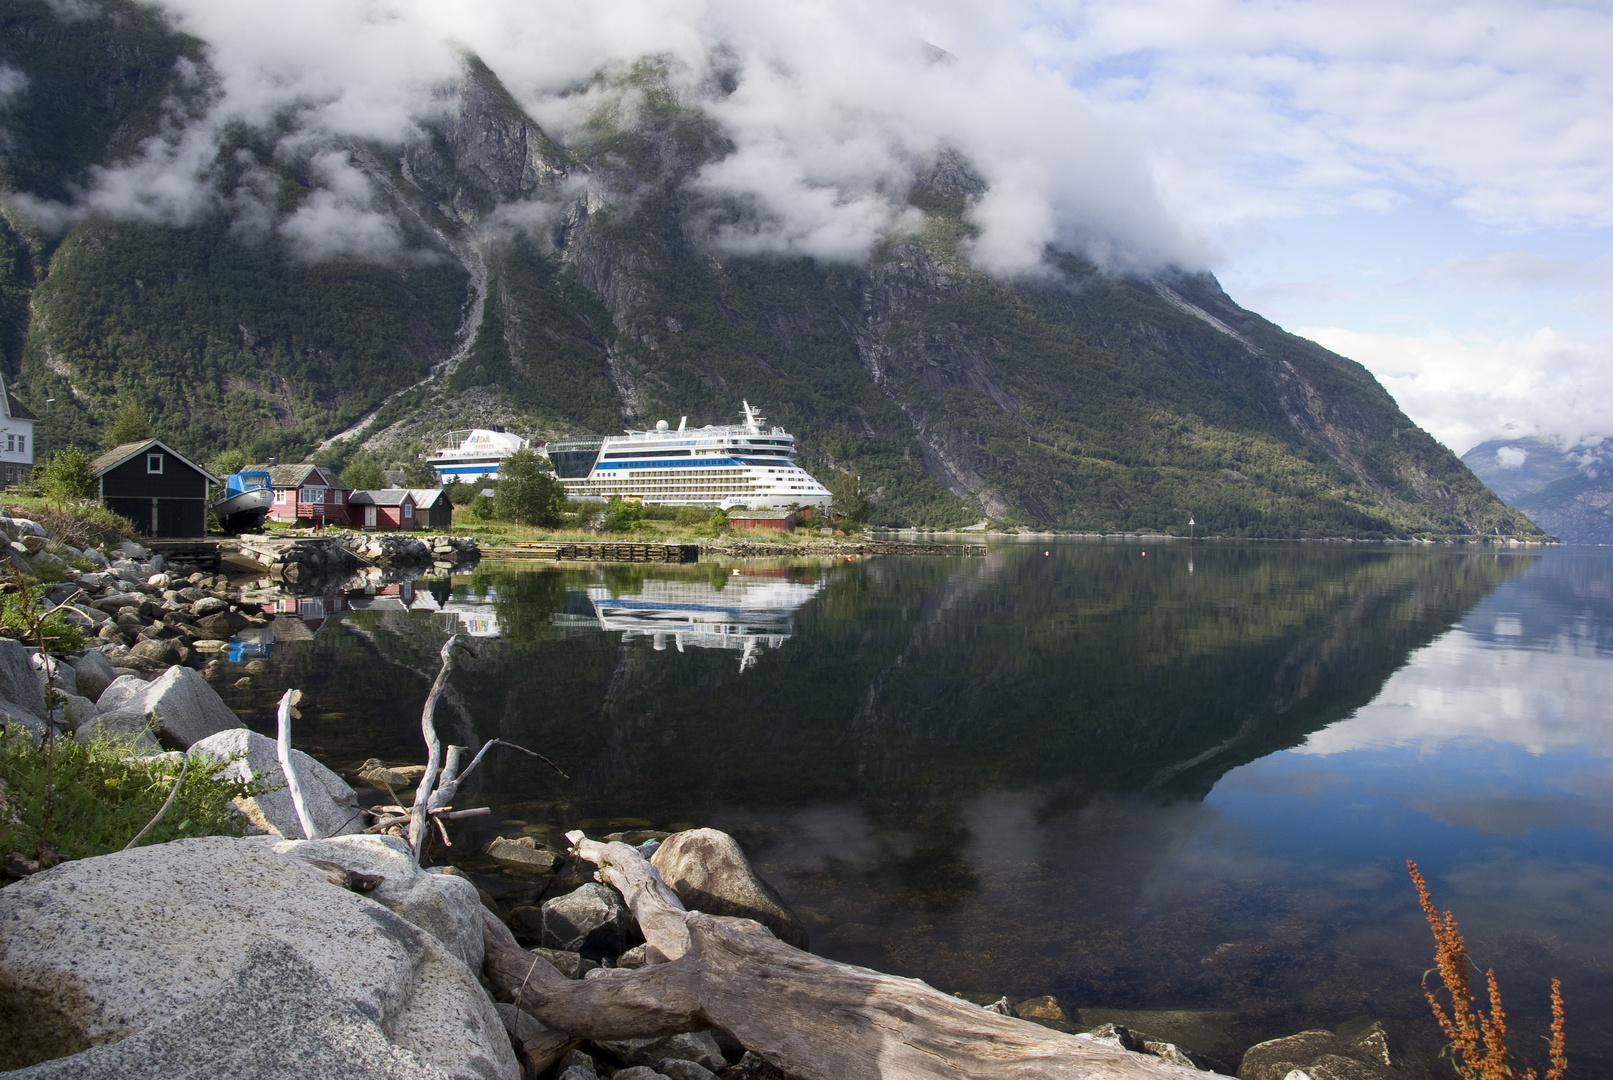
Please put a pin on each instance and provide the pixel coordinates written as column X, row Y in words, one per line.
column 1508, row 814
column 1303, row 784
column 1460, row 687
column 1492, row 896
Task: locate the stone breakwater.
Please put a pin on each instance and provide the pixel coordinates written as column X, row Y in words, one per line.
column 312, row 558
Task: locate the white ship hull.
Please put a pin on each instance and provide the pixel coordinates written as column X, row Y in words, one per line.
column 728, row 466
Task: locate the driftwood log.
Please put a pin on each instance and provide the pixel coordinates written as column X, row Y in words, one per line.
column 813, row 1018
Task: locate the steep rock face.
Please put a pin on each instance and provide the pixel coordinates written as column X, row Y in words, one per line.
column 1074, row 399
column 481, row 151
column 1567, row 492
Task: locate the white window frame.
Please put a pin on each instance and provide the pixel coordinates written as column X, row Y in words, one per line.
column 336, row 496
column 280, row 496
column 408, row 511
column 156, row 459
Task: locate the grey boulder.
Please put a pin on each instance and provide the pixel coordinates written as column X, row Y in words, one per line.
column 699, row 1047
column 123, row 725
column 674, row 1069
column 710, row 873
column 220, row 957
column 93, row 673
column 443, row 905
column 19, row 683
column 591, row 920
column 187, row 709
column 331, row 803
column 1358, row 1050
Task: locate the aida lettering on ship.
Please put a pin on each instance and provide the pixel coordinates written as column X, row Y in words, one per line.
column 732, row 465
column 471, row 455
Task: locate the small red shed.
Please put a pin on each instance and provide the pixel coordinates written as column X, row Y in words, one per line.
column 385, row 510
column 776, row 520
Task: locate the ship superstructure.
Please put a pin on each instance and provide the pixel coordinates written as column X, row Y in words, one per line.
column 474, row 454
column 731, row 465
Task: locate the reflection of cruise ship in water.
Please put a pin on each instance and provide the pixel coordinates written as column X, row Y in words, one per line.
column 753, row 610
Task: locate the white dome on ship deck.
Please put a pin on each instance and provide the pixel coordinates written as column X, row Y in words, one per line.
column 661, row 425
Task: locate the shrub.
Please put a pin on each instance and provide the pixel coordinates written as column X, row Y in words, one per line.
column 230, row 461
column 80, row 800
column 22, row 616
column 81, row 526
column 364, row 476
column 482, row 507
column 528, row 491
column 66, row 476
column 718, row 521
column 1478, row 1041
column 622, row 516
column 129, row 424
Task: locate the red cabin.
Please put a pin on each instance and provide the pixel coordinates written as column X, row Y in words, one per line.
column 307, row 495
column 385, row 510
column 756, row 520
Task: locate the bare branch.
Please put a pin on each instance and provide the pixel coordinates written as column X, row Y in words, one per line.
column 450, row 785
column 166, row 803
column 283, row 752
column 428, row 729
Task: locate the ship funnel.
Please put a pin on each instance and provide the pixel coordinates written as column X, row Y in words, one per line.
column 681, row 421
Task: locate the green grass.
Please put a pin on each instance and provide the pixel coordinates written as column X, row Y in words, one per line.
column 80, row 800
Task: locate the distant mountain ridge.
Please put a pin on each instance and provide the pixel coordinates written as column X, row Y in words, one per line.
column 576, row 288
column 1569, row 493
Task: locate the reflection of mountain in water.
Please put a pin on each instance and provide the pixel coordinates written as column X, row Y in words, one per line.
column 906, row 684
column 754, row 610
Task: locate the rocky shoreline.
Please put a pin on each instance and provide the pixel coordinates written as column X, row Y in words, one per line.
column 146, row 615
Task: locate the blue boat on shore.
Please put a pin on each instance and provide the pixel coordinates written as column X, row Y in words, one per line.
column 246, row 500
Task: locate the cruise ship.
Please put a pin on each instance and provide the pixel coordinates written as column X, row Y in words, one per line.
column 474, row 454
column 732, row 465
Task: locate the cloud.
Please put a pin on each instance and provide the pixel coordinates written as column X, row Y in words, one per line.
column 1511, row 457
column 1261, row 108
column 1466, row 391
column 1515, row 271
column 340, row 216
column 832, row 108
column 12, row 82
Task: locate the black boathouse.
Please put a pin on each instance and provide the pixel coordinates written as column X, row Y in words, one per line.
column 156, row 487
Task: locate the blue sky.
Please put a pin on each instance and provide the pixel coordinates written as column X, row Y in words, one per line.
column 1426, row 187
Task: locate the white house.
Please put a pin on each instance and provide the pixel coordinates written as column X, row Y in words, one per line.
column 16, row 438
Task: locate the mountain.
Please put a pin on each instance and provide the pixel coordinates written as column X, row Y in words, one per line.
column 1569, row 493
column 501, row 276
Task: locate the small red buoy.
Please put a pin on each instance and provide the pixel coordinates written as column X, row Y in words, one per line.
column 1145, row 554
column 848, row 558
column 1047, row 553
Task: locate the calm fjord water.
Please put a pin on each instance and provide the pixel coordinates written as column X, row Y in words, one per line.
column 1176, row 788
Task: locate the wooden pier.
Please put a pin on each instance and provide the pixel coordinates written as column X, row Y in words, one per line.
column 557, row 552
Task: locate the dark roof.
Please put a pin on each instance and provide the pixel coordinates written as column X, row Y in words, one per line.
column 119, row 454
column 383, row 497
column 17, row 409
column 290, row 476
